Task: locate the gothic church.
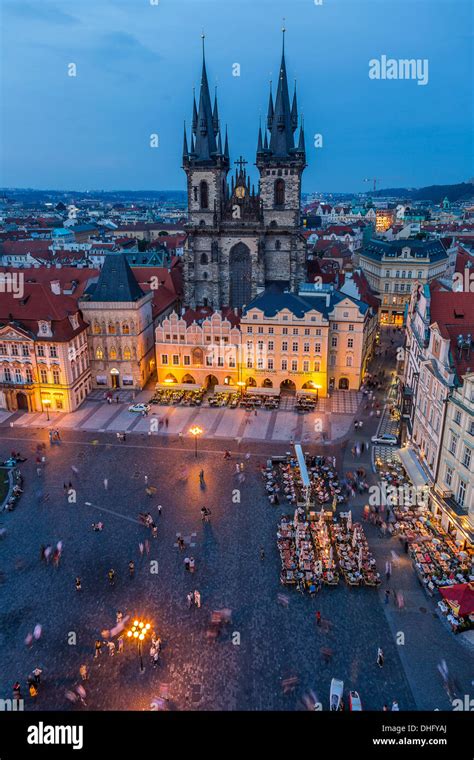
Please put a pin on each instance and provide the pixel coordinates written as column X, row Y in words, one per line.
column 241, row 241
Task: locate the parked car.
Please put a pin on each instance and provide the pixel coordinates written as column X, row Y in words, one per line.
column 386, row 439
column 139, row 408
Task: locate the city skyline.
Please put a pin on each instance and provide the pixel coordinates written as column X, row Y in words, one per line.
column 93, row 131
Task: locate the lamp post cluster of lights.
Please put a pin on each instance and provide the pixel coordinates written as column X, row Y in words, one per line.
column 196, row 431
column 138, row 631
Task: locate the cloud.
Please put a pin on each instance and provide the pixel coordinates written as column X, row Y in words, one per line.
column 40, row 11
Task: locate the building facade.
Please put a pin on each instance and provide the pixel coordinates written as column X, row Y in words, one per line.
column 44, row 363
column 393, row 267
column 120, row 335
column 241, row 240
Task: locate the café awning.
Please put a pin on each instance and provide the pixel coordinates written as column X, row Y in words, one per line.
column 262, row 391
column 226, row 388
column 460, row 598
column 413, row 467
column 178, row 387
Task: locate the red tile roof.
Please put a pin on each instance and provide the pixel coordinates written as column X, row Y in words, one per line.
column 453, row 312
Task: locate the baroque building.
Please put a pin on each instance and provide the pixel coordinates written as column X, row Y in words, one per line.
column 240, row 240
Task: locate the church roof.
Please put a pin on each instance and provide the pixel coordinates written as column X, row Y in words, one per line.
column 116, row 282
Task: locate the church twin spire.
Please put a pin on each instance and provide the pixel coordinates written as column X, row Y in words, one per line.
column 206, row 140
column 276, row 142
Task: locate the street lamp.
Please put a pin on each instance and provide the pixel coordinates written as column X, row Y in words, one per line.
column 241, row 385
column 47, row 404
column 196, row 431
column 138, row 631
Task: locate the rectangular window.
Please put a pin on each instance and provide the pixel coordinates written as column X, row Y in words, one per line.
column 448, row 478
column 260, row 364
column 462, row 487
column 260, row 345
column 335, row 326
column 285, row 331
column 317, row 366
column 209, row 361
column 220, row 361
column 18, row 376
column 270, row 330
column 186, row 361
column 284, row 364
column 249, row 363
column 317, row 348
column 350, row 343
column 453, row 443
column 232, row 361
column 3, row 349
column 260, row 330
column 466, row 459
column 164, row 358
column 348, row 361
column 29, row 375
column 295, row 346
column 270, row 345
column 14, row 349
column 270, row 364
column 53, row 352
column 306, row 348
column 295, row 331
column 284, row 346
column 250, row 329
column 56, row 376
column 25, row 350
column 351, row 328
column 457, row 417
column 307, row 331
column 334, row 341
column 306, row 366
column 40, row 350
column 44, row 376
column 318, row 332
column 294, row 365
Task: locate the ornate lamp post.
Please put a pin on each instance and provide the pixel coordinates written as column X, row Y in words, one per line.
column 138, row 631
column 196, row 432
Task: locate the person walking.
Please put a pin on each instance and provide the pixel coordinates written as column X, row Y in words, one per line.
column 120, row 644
column 159, row 510
column 37, row 675
column 395, row 707
column 189, row 600
column 387, row 596
column 83, row 672
column 111, row 576
column 380, row 657
column 388, row 570
column 131, row 568
column 262, row 553
column 318, row 618
column 98, row 649
column 78, row 584
column 201, row 477
column 197, row 599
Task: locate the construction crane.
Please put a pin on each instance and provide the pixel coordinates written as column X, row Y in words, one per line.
column 374, row 180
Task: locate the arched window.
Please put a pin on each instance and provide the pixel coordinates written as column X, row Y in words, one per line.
column 204, row 194
column 111, row 328
column 125, row 329
column 277, row 245
column 113, row 353
column 204, row 258
column 99, row 353
column 127, row 354
column 96, row 328
column 279, row 192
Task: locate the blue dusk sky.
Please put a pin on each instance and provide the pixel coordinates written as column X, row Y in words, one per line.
column 138, row 60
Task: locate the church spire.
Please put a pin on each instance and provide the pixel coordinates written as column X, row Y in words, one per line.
column 205, row 147
column 270, row 108
column 301, row 142
column 185, row 145
column 294, row 111
column 260, row 143
column 215, row 114
column 281, row 140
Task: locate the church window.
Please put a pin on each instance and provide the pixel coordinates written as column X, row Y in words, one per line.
column 280, row 172
column 96, row 328
column 204, row 259
column 204, row 195
column 205, row 275
column 127, row 354
column 277, row 245
column 125, row 329
column 195, row 191
column 111, row 329
column 113, row 353
column 279, row 192
column 99, row 354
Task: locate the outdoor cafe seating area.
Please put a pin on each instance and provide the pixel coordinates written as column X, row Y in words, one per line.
column 318, row 549
column 224, row 398
column 306, row 402
column 252, row 400
column 173, row 395
column 285, row 479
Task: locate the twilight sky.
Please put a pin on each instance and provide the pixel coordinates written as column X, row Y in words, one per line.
column 137, row 63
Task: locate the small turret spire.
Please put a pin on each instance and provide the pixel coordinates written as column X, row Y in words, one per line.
column 185, row 145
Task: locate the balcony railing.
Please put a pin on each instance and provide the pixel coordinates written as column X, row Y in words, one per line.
column 16, row 384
